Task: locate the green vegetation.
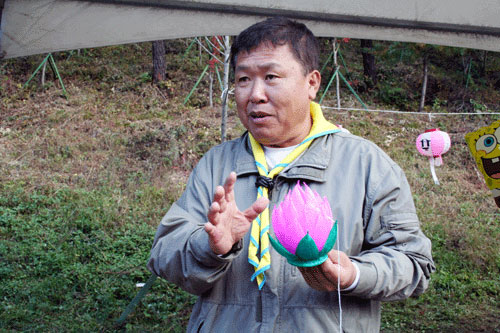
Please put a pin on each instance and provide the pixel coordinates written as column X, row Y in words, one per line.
column 71, row 259
column 84, row 181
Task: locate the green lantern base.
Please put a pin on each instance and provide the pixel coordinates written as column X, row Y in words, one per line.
column 307, row 253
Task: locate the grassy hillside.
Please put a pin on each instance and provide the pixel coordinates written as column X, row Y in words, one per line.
column 85, row 180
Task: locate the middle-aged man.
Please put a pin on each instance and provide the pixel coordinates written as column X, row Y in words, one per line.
column 213, row 242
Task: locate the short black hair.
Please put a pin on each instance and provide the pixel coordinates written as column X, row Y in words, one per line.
column 280, row 31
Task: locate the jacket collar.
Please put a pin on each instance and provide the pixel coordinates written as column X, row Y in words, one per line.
column 311, row 165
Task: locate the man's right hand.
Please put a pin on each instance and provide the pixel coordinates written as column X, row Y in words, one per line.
column 226, row 223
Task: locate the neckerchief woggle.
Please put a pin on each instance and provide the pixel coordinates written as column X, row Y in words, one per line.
column 259, row 235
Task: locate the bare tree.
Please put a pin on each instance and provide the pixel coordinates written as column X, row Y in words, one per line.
column 424, row 80
column 369, row 68
column 1, row 10
column 159, row 67
column 227, row 51
column 482, row 67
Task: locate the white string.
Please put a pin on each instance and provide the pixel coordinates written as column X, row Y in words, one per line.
column 338, row 280
column 433, row 171
column 411, row 112
column 228, row 91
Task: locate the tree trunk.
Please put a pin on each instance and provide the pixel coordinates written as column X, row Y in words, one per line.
column 1, row 9
column 424, row 85
column 159, row 67
column 227, row 50
column 336, row 66
column 211, row 88
column 2, row 54
column 369, row 68
column 483, row 63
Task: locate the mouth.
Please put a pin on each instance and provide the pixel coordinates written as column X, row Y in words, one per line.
column 258, row 115
column 492, row 167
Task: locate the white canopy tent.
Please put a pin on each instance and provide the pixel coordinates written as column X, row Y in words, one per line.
column 41, row 26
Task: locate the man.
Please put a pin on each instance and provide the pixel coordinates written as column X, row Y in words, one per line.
column 213, row 240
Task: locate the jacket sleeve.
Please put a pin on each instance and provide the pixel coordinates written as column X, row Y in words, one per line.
column 181, row 253
column 395, row 261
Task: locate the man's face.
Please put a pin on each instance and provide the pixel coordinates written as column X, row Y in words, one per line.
column 273, row 95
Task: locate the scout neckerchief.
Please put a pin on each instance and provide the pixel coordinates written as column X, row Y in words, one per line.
column 260, row 227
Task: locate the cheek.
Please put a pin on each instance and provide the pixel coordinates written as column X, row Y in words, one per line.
column 242, row 97
column 238, row 96
column 241, row 101
column 242, row 115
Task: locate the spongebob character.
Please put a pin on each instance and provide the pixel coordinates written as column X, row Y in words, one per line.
column 484, row 145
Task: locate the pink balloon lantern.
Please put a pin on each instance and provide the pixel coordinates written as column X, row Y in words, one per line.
column 433, row 143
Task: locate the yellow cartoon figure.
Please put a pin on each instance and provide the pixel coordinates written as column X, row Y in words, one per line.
column 484, row 145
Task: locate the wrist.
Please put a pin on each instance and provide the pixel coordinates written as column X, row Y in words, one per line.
column 355, row 281
column 238, row 246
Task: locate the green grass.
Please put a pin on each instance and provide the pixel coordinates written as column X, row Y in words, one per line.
column 71, row 260
column 84, row 182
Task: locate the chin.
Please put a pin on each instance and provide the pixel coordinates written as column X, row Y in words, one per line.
column 263, row 137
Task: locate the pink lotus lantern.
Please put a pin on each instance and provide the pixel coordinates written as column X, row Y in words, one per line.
column 433, row 143
column 304, row 227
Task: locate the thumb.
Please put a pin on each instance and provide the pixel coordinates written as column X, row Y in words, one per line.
column 256, row 208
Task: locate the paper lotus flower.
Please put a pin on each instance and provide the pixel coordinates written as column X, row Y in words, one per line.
column 304, row 227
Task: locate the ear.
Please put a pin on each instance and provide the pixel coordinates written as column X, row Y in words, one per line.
column 313, row 81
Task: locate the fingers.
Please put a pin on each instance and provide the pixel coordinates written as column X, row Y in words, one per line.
column 317, row 279
column 219, row 204
column 229, row 186
column 331, row 272
column 256, row 208
column 210, row 229
column 310, row 279
column 214, row 239
column 326, row 276
column 337, row 257
column 213, row 212
column 224, row 194
column 334, row 270
column 341, row 265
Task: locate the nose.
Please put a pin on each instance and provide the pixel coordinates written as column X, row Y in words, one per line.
column 258, row 92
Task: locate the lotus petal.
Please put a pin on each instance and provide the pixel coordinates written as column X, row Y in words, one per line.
column 303, row 225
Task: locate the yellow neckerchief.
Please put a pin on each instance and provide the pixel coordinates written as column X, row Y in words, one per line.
column 260, row 226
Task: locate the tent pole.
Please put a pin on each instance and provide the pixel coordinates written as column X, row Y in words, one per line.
column 52, row 63
column 196, row 85
column 335, row 62
column 36, row 70
column 352, row 90
column 335, row 74
column 54, row 68
column 128, row 310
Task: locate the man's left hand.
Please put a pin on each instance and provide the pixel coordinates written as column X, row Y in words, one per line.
column 325, row 277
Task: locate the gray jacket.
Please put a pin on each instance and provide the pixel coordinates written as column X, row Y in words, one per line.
column 378, row 229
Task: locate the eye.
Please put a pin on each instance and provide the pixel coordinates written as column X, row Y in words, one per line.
column 243, row 79
column 271, row 76
column 486, row 143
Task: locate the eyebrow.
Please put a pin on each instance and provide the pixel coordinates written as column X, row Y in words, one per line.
column 265, row 65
